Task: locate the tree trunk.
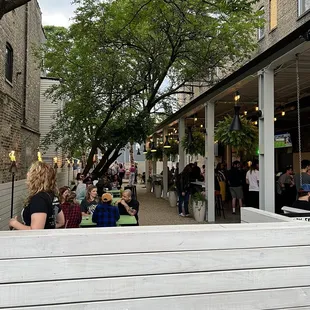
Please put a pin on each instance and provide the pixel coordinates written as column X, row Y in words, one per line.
column 10, row 5
column 132, row 159
column 90, row 158
column 109, row 162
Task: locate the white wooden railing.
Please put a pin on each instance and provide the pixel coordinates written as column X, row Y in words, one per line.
column 233, row 266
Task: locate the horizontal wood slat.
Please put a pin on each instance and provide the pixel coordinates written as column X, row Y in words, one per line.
column 100, row 266
column 57, row 292
column 289, row 298
column 120, row 240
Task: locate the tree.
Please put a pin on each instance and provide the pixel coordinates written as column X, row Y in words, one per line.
column 122, row 61
column 10, row 5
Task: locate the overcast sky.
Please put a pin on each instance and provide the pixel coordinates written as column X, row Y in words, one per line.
column 56, row 12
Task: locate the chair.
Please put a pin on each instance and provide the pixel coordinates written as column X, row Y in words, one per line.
column 219, row 208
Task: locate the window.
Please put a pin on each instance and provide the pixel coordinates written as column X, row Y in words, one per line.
column 9, row 63
column 261, row 31
column 273, row 7
column 303, row 6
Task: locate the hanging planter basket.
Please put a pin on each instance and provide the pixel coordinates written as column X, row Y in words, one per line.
column 244, row 140
column 196, row 146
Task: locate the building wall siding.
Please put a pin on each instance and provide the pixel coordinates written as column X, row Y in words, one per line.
column 20, row 28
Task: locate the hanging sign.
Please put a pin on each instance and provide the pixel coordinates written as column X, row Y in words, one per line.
column 283, row 140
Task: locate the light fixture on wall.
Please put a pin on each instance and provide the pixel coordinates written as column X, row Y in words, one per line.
column 236, row 122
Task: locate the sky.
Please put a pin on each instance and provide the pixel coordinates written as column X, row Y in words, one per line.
column 56, row 12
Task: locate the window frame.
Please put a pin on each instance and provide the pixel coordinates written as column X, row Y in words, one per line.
column 270, row 15
column 301, row 4
column 261, row 31
column 9, row 63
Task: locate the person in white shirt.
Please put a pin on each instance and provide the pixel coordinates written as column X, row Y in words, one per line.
column 252, row 178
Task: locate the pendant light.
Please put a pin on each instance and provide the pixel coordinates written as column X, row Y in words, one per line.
column 167, row 144
column 144, row 150
column 153, row 148
column 190, row 135
column 138, row 153
column 236, row 122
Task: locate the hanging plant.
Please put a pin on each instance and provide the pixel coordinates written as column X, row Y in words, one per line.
column 158, row 155
column 244, row 140
column 149, row 155
column 173, row 150
column 197, row 146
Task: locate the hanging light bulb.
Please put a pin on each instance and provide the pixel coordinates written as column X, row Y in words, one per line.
column 245, row 112
column 237, row 96
column 201, row 126
column 255, row 123
column 275, row 119
column 256, row 108
column 167, row 144
column 283, row 113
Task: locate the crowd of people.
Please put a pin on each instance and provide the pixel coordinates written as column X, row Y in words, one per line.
column 48, row 207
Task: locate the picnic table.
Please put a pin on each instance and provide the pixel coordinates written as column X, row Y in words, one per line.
column 124, row 220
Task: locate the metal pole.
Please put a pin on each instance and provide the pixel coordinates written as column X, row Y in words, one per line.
column 12, row 194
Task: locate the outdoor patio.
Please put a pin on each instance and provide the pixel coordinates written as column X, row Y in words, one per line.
column 154, row 211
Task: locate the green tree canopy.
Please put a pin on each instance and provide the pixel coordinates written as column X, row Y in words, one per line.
column 123, row 60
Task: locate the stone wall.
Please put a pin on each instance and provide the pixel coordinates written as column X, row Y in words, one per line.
column 20, row 100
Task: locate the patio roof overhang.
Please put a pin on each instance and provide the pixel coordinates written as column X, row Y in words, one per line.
column 280, row 56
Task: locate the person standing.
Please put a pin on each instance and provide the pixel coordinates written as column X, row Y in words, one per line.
column 132, row 175
column 287, row 188
column 305, row 177
column 252, row 178
column 235, row 185
column 121, row 174
column 43, row 209
column 183, row 189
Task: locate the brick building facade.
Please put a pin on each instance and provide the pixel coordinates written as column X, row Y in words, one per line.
column 20, row 34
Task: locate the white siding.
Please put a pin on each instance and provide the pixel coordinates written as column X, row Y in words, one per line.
column 48, row 109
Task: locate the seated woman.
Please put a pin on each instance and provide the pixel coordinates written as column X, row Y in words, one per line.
column 90, row 202
column 106, row 215
column 72, row 211
column 303, row 201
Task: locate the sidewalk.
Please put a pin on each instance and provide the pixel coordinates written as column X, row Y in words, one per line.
column 155, row 211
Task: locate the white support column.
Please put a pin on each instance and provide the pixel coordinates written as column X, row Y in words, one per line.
column 209, row 180
column 181, row 149
column 266, row 141
column 165, row 167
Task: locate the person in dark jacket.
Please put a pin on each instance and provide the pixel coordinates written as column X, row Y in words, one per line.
column 235, row 178
column 183, row 188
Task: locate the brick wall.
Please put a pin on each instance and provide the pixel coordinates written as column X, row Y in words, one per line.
column 287, row 21
column 22, row 29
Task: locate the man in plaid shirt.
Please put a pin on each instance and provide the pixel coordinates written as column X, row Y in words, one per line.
column 106, row 215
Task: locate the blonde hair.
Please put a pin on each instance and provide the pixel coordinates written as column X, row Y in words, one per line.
column 41, row 177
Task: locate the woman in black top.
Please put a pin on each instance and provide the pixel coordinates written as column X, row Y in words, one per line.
column 42, row 210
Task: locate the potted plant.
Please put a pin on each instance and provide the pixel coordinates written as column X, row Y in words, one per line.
column 149, row 184
column 199, row 206
column 157, row 188
column 173, row 196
